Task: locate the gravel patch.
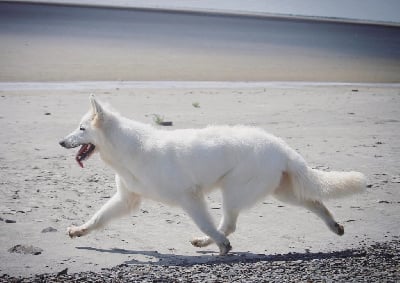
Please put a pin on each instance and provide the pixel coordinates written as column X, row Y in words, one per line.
column 376, row 263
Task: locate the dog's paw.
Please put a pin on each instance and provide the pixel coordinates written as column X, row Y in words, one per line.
column 201, row 242
column 224, row 248
column 339, row 229
column 74, row 231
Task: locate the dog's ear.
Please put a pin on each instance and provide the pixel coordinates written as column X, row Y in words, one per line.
column 97, row 109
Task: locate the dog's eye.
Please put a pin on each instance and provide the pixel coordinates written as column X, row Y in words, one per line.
column 81, row 128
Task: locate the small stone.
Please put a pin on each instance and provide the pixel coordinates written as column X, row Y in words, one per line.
column 62, row 272
column 10, row 221
column 167, row 123
column 49, row 229
column 25, row 249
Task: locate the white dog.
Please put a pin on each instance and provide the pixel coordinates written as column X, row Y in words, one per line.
column 179, row 167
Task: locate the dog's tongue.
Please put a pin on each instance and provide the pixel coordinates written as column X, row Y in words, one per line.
column 79, row 162
column 79, row 154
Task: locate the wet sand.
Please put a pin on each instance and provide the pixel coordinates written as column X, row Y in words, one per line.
column 66, row 43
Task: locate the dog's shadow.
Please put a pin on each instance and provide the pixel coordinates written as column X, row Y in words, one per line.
column 210, row 257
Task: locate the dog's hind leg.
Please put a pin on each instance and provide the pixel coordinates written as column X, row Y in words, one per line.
column 120, row 204
column 227, row 226
column 237, row 196
column 285, row 194
column 194, row 205
column 320, row 209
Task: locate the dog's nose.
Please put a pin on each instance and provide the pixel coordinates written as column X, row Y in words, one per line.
column 62, row 143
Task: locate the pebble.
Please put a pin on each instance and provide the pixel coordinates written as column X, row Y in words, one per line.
column 49, row 229
column 25, row 249
column 376, row 263
column 62, row 272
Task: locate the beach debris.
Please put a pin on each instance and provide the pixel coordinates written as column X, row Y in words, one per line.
column 15, row 196
column 62, row 272
column 395, row 179
column 25, row 249
column 167, row 123
column 196, row 105
column 49, row 229
column 159, row 120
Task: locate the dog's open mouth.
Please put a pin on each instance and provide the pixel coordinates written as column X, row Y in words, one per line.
column 84, row 153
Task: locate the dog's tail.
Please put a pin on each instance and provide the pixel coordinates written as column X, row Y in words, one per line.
column 308, row 183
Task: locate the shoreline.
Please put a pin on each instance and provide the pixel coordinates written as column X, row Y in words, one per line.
column 87, row 85
column 211, row 12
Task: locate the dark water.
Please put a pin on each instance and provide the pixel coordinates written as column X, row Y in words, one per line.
column 61, row 43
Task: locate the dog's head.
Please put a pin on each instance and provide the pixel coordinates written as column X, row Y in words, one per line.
column 87, row 134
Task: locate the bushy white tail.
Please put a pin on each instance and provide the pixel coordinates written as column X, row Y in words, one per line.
column 315, row 184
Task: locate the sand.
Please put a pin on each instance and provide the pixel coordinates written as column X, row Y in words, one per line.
column 335, row 127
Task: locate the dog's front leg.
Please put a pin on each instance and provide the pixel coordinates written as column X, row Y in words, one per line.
column 120, row 204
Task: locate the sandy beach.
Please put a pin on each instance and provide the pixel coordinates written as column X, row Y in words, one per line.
column 330, row 90
column 334, row 127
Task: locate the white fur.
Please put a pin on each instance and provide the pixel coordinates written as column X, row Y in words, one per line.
column 179, row 167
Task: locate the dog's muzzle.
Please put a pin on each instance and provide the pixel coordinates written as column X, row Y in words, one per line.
column 63, row 143
column 67, row 144
column 84, row 152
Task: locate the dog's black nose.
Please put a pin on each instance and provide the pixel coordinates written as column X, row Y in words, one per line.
column 62, row 143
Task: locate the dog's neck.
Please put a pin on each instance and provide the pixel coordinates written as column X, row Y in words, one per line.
column 117, row 142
